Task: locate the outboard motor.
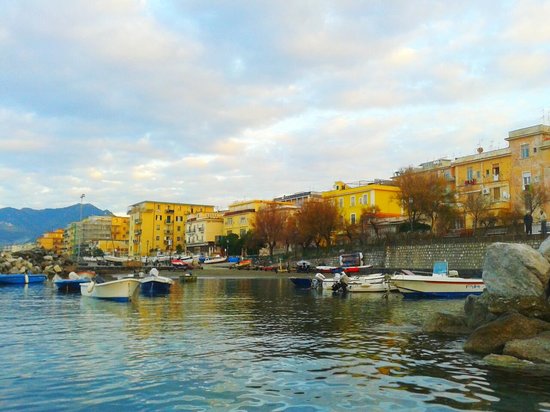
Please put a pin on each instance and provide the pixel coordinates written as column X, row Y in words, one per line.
column 317, row 281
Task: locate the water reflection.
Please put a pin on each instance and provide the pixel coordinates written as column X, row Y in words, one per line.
column 244, row 344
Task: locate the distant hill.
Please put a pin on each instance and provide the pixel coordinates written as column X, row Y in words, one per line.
column 26, row 225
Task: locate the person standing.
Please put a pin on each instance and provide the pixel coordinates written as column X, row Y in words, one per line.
column 542, row 218
column 528, row 221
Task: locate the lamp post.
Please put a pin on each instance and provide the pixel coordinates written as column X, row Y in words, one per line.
column 81, row 229
column 410, row 212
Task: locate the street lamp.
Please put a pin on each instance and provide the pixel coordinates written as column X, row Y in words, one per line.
column 81, row 229
column 410, row 212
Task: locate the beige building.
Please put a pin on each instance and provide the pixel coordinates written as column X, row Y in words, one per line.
column 202, row 230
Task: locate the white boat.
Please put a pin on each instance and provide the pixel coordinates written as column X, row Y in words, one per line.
column 442, row 283
column 121, row 290
column 375, row 282
column 215, row 259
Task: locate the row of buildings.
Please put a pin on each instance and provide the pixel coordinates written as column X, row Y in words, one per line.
column 152, row 227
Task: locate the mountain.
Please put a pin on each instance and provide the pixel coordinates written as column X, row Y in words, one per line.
column 25, row 225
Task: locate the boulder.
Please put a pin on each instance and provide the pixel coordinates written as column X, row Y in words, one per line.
column 536, row 349
column 476, row 311
column 544, row 248
column 446, row 323
column 512, row 270
column 491, row 337
column 507, row 361
column 57, row 269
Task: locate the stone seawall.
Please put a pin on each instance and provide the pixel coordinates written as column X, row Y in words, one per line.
column 463, row 254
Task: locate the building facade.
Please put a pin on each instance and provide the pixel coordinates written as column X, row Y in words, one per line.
column 201, row 232
column 52, row 241
column 159, row 227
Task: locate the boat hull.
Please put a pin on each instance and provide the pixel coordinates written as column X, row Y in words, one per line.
column 156, row 285
column 21, row 279
column 121, row 290
column 301, row 283
column 417, row 286
column 70, row 285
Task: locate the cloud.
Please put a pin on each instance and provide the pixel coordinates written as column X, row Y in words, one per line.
column 212, row 102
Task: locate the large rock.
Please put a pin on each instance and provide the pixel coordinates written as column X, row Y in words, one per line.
column 544, row 248
column 512, row 270
column 446, row 323
column 535, row 349
column 491, row 337
column 476, row 311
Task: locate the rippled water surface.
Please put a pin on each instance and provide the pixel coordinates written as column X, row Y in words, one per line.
column 243, row 344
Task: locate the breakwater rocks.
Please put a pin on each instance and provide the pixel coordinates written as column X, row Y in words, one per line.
column 33, row 261
column 510, row 321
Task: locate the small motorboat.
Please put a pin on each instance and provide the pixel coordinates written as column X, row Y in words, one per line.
column 21, row 278
column 72, row 283
column 122, row 290
column 442, row 283
column 153, row 284
column 188, row 277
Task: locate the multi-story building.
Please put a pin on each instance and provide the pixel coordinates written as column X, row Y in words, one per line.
column 239, row 218
column 159, row 227
column 52, row 241
column 352, row 199
column 108, row 233
column 298, row 199
column 201, row 232
column 501, row 175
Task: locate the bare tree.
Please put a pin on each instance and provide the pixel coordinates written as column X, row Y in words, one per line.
column 535, row 196
column 317, row 220
column 478, row 206
column 268, row 225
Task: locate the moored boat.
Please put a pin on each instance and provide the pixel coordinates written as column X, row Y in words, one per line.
column 188, row 277
column 73, row 282
column 302, row 282
column 442, row 283
column 120, row 290
column 21, row 278
column 153, row 284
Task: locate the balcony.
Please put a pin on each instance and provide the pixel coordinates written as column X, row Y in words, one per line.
column 470, row 182
column 169, row 211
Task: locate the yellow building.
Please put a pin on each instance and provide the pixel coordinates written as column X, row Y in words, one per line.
column 201, row 232
column 487, row 174
column 530, row 158
column 239, row 218
column 352, row 198
column 159, row 227
column 52, row 241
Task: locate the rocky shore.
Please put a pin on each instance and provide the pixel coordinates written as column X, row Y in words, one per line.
column 510, row 322
column 34, row 261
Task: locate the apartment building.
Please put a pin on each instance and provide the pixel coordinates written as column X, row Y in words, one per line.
column 52, row 241
column 159, row 227
column 201, row 232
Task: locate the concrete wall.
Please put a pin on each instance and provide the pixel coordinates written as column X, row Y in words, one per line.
column 463, row 254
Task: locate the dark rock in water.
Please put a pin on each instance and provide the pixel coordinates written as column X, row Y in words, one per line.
column 507, row 361
column 447, row 323
column 536, row 349
column 476, row 311
column 491, row 337
column 512, row 270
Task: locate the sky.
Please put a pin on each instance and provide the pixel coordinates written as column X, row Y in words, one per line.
column 213, row 102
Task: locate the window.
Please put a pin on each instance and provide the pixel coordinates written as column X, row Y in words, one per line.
column 158, row 238
column 158, row 227
column 496, row 193
column 478, row 174
column 352, row 201
column 243, row 232
column 229, row 221
column 243, row 220
column 365, row 199
column 341, row 202
column 524, row 151
column 469, row 174
column 352, row 218
column 526, row 180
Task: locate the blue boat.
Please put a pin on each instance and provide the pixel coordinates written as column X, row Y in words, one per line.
column 301, row 283
column 155, row 285
column 21, row 278
column 72, row 284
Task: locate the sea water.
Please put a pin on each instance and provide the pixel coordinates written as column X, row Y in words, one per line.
column 244, row 344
